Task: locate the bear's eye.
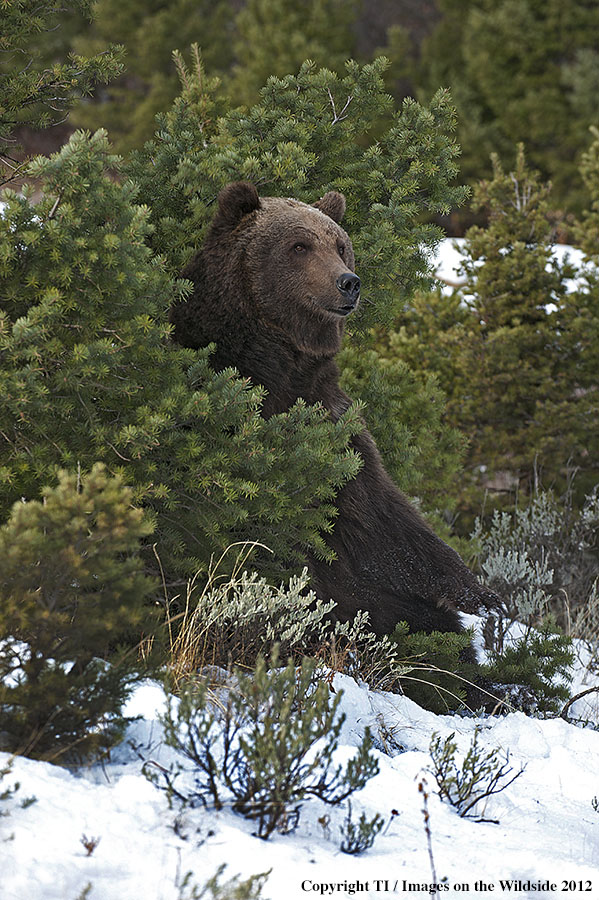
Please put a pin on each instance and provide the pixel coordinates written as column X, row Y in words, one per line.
column 341, row 250
column 299, row 247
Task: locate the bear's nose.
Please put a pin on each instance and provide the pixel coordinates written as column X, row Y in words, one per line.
column 349, row 285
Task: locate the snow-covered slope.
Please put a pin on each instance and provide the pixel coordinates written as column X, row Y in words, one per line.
column 548, row 828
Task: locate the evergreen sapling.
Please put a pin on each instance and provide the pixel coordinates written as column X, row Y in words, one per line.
column 72, row 599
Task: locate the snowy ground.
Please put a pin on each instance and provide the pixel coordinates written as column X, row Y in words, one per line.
column 548, row 831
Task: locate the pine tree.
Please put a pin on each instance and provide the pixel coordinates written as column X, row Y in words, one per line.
column 581, row 325
column 399, row 50
column 519, row 70
column 438, row 677
column 83, row 350
column 36, row 90
column 523, row 408
column 405, row 413
column 150, row 33
column 511, row 351
column 88, row 374
column 541, row 661
column 71, row 590
column 587, row 231
column 505, row 348
column 428, row 335
column 274, row 37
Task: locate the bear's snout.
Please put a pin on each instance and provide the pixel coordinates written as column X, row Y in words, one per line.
column 348, row 285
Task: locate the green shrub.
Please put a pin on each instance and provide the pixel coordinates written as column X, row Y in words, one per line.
column 538, row 665
column 479, row 776
column 437, row 677
column 72, row 590
column 254, row 741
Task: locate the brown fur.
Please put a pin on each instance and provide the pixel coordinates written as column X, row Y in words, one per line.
column 276, row 314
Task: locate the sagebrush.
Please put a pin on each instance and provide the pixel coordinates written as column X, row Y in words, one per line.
column 262, row 743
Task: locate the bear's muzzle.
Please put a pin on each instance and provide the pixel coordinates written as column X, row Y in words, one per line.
column 348, row 285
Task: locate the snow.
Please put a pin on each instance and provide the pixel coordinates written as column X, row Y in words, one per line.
column 450, row 254
column 548, row 831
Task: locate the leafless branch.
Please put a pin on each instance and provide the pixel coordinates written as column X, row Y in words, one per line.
column 338, row 117
column 591, row 690
column 55, row 205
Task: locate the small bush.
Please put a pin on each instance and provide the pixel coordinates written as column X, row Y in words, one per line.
column 264, row 743
column 71, row 590
column 358, row 838
column 353, row 648
column 242, row 617
column 543, row 557
column 540, row 570
column 233, row 889
column 540, row 662
column 439, row 677
column 480, row 775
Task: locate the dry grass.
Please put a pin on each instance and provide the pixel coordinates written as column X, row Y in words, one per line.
column 197, row 642
column 585, row 627
column 207, row 635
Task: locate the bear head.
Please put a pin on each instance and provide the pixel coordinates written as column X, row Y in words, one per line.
column 285, row 264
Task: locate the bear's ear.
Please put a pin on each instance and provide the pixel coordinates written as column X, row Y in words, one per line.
column 235, row 201
column 332, row 205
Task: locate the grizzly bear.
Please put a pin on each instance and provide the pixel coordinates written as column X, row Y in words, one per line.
column 274, row 283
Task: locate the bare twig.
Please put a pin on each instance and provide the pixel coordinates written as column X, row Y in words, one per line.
column 55, row 206
column 338, row 117
column 120, row 455
column 90, row 843
column 591, row 690
column 422, row 789
column 493, row 789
